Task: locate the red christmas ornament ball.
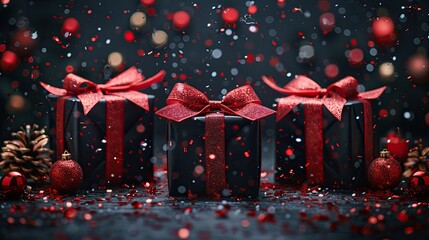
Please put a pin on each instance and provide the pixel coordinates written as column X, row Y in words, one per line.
column 331, row 71
column 230, row 15
column 418, row 68
column 13, row 184
column 384, row 30
column 23, row 41
column 419, row 183
column 355, row 56
column 383, row 27
column 181, row 20
column 147, row 2
column 397, row 146
column 327, row 22
column 9, row 61
column 384, row 172
column 66, row 175
column 70, row 25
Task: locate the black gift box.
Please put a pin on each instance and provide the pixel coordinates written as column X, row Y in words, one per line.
column 187, row 160
column 85, row 140
column 343, row 148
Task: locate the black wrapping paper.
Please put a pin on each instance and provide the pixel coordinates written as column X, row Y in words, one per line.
column 343, row 148
column 85, row 140
column 186, row 157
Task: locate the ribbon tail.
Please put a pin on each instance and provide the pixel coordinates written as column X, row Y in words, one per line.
column 286, row 105
column 178, row 112
column 148, row 82
column 53, row 90
column 271, row 83
column 126, row 78
column 335, row 105
column 138, row 98
column 302, row 86
column 250, row 111
column 372, row 94
column 89, row 99
column 215, row 154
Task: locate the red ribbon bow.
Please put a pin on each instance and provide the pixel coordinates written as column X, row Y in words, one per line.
column 123, row 86
column 334, row 97
column 185, row 102
column 306, row 91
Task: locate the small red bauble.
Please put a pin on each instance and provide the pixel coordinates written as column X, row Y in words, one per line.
column 181, row 20
column 397, row 146
column 355, row 56
column 9, row 61
column 418, row 68
column 13, row 184
column 230, row 15
column 384, row 30
column 419, row 183
column 23, row 42
column 70, row 25
column 384, row 172
column 66, row 175
column 327, row 22
column 147, row 2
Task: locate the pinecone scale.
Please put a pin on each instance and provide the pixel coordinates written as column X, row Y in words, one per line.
column 27, row 153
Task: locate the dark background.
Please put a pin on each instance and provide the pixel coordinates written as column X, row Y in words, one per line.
column 281, row 31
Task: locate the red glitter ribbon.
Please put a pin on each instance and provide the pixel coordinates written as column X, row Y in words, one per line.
column 123, row 86
column 185, row 102
column 306, row 91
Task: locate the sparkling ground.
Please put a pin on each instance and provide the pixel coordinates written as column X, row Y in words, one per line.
column 147, row 212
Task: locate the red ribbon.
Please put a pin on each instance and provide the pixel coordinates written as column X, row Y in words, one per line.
column 123, row 86
column 306, row 91
column 185, row 102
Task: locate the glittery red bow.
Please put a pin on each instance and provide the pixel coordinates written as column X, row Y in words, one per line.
column 125, row 85
column 306, row 91
column 185, row 102
column 334, row 97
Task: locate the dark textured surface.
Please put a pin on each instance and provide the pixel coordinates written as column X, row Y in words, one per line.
column 146, row 213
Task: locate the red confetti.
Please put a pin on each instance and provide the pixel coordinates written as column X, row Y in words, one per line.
column 129, row 36
column 70, row 213
column 70, row 25
column 230, row 15
column 402, row 216
column 252, row 9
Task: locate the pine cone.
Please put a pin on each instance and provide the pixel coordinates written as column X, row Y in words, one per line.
column 418, row 159
column 27, row 154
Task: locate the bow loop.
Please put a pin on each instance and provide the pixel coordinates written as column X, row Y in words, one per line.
column 333, row 98
column 241, row 96
column 126, row 78
column 302, row 82
column 346, row 87
column 185, row 102
column 124, row 85
column 75, row 84
column 188, row 96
